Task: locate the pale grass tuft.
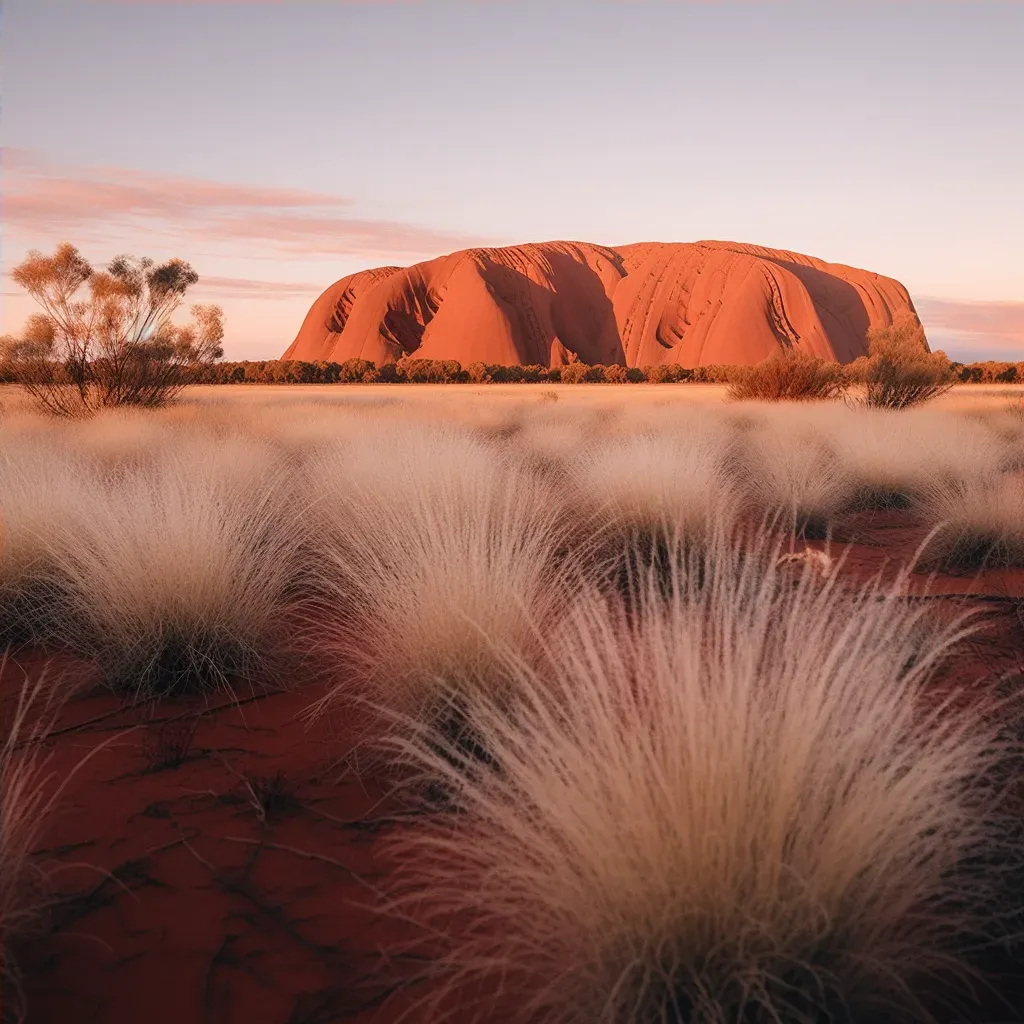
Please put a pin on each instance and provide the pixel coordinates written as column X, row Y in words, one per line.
column 727, row 805
column 119, row 437
column 432, row 546
column 181, row 583
column 789, row 470
column 893, row 457
column 977, row 523
column 47, row 496
column 658, row 484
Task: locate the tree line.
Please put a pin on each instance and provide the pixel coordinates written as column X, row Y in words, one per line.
column 449, row 371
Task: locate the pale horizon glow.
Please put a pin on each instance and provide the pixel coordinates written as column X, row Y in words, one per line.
column 280, row 146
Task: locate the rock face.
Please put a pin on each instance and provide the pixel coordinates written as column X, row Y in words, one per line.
column 695, row 304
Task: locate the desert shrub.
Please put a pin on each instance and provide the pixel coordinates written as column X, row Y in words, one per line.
column 180, row 583
column 327, row 372
column 634, row 375
column 714, row 374
column 453, row 372
column 731, row 805
column 615, row 375
column 34, row 343
column 353, row 371
column 302, row 371
column 253, row 372
column 667, row 373
column 788, row 376
column 429, row 371
column 574, row 373
column 433, row 547
column 478, row 373
column 899, row 370
column 534, row 374
column 389, row 373
column 660, row 374
column 118, row 346
column 419, row 371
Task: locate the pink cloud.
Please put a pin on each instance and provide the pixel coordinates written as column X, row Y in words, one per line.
column 996, row 325
column 45, row 201
column 214, row 288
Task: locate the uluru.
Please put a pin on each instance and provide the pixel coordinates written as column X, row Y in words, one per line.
column 550, row 303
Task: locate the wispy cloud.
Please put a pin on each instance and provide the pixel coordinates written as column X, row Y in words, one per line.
column 991, row 327
column 212, row 287
column 44, row 201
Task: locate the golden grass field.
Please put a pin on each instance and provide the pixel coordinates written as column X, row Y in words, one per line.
column 583, row 704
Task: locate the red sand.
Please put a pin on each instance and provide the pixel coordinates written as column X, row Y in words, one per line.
column 182, row 907
column 695, row 304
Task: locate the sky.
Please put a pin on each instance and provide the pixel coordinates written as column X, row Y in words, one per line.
column 280, row 145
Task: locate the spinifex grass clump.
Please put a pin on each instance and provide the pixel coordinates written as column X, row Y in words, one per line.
column 641, row 492
column 551, row 436
column 731, row 805
column 789, row 471
column 180, row 585
column 894, row 457
column 434, row 549
column 119, row 438
column 46, row 496
column 978, row 523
